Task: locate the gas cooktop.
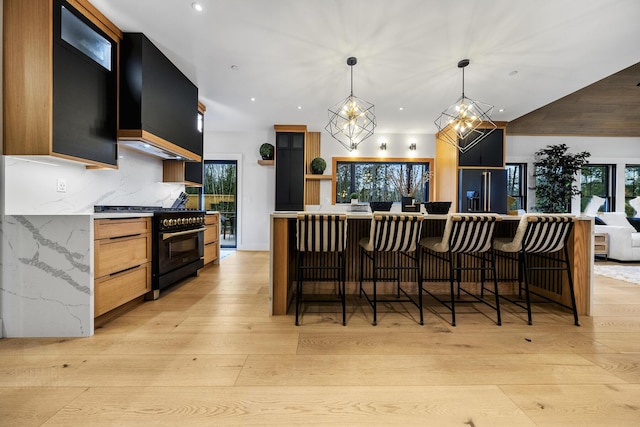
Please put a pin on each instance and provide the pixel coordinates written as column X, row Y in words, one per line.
column 152, row 209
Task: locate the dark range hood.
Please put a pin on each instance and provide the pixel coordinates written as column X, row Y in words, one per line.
column 158, row 103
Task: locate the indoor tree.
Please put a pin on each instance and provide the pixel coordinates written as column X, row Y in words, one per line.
column 555, row 172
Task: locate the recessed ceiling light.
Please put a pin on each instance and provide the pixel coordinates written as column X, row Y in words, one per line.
column 501, row 110
column 253, row 100
column 197, row 6
column 299, row 107
column 513, row 73
column 235, row 67
column 401, row 108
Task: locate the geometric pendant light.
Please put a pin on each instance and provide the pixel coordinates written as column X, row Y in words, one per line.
column 466, row 122
column 352, row 120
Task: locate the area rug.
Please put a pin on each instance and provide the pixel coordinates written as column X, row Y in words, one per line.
column 628, row 273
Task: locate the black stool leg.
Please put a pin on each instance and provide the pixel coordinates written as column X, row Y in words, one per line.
column 525, row 262
column 492, row 259
column 375, row 291
column 573, row 295
column 451, row 289
column 299, row 286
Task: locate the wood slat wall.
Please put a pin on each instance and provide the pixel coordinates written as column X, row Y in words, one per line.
column 311, row 151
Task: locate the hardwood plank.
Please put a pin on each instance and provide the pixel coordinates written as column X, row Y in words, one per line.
column 565, row 405
column 33, row 406
column 410, row 370
column 170, row 406
column 124, row 371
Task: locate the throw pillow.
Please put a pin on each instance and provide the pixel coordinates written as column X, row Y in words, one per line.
column 635, row 222
column 600, row 221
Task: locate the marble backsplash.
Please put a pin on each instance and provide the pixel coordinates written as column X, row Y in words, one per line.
column 30, row 185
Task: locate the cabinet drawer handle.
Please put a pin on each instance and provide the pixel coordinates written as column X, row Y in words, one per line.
column 124, row 237
column 125, row 270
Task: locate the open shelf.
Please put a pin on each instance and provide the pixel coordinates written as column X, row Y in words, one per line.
column 266, row 162
column 318, row 177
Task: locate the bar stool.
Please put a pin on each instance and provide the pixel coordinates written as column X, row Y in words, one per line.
column 327, row 234
column 538, row 236
column 391, row 233
column 470, row 235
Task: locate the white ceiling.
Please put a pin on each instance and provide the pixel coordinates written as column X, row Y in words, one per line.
column 292, row 53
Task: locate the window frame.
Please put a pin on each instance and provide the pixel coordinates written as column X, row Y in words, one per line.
column 609, row 186
column 630, row 211
column 395, row 160
column 522, row 184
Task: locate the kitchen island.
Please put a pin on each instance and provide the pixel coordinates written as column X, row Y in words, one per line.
column 580, row 245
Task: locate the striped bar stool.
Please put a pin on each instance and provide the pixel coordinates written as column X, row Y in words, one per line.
column 398, row 234
column 466, row 237
column 537, row 237
column 326, row 234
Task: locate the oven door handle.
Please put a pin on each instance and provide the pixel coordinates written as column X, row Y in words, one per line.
column 166, row 236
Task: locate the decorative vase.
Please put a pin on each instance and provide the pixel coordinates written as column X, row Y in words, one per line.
column 354, row 201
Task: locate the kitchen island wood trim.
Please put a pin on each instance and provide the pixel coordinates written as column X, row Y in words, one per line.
column 283, row 249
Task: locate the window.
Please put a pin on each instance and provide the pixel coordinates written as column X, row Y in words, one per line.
column 631, row 187
column 382, row 180
column 517, row 186
column 596, row 180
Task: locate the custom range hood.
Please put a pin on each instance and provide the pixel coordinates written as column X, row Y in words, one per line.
column 158, row 103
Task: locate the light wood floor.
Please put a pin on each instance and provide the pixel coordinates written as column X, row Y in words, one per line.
column 208, row 353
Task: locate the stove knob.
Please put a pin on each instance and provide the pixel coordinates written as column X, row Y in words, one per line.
column 192, row 220
column 180, row 221
column 172, row 222
column 165, row 222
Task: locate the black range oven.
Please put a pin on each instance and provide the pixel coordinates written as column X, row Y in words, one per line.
column 178, row 246
column 177, row 242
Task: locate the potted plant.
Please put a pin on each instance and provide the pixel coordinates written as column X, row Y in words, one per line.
column 318, row 165
column 407, row 184
column 354, row 198
column 555, row 171
column 266, row 151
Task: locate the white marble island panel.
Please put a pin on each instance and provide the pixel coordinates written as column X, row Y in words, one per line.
column 47, row 275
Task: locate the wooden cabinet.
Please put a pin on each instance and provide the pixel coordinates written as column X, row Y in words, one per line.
column 290, row 167
column 60, row 81
column 158, row 103
column 601, row 244
column 122, row 261
column 212, row 238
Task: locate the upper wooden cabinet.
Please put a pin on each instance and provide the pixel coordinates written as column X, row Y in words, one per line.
column 158, row 103
column 60, row 81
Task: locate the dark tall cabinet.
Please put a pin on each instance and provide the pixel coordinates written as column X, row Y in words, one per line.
column 290, row 170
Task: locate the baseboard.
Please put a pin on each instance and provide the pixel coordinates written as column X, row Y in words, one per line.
column 1, row 329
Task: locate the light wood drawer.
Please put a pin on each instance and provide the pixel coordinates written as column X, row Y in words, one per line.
column 211, row 234
column 210, row 252
column 211, row 219
column 117, row 289
column 106, row 228
column 117, row 254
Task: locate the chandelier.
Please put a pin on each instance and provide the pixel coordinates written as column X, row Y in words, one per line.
column 352, row 120
column 466, row 122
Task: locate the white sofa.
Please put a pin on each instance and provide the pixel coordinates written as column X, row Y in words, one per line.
column 624, row 241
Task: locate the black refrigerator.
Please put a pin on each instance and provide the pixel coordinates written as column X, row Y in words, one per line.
column 482, row 190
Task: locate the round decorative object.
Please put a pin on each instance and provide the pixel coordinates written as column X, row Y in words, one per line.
column 318, row 165
column 266, row 151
